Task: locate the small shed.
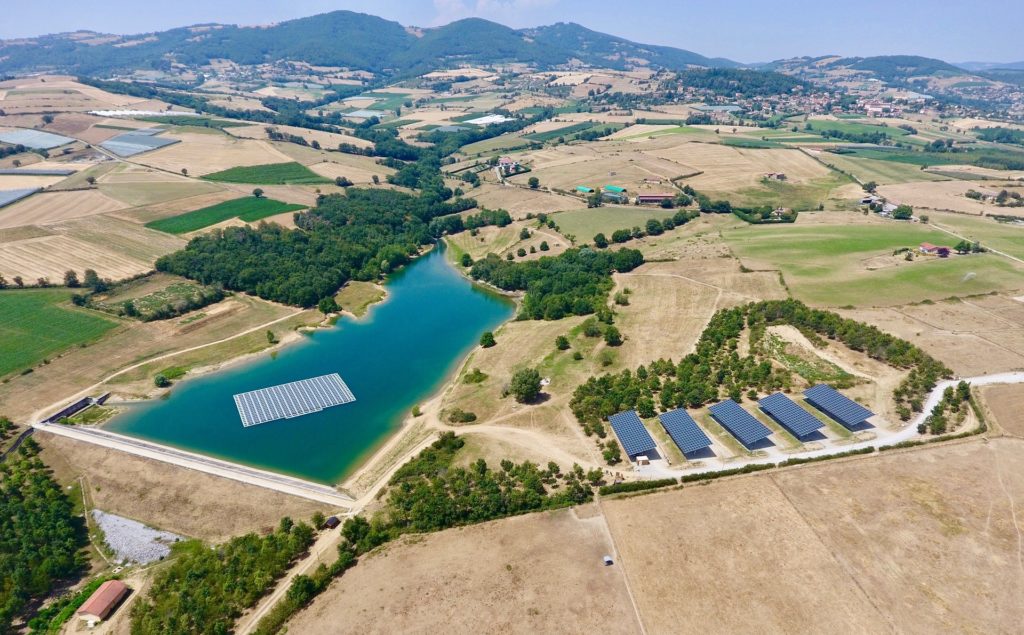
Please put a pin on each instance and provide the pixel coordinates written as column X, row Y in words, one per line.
column 584, row 189
column 614, row 189
column 332, row 522
column 103, row 602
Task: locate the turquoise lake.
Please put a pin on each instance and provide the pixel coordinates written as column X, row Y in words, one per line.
column 393, row 358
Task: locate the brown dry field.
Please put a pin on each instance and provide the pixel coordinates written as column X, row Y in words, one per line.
column 113, row 248
column 886, row 543
column 169, row 497
column 980, row 172
column 19, row 181
column 519, row 202
column 595, row 165
column 973, row 336
column 938, row 195
column 207, row 152
column 135, row 342
column 1006, row 403
column 50, row 207
column 359, row 172
column 326, row 139
column 156, row 211
column 530, row 574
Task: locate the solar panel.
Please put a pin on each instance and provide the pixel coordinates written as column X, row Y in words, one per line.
column 684, row 431
column 136, row 142
column 789, row 414
column 293, row 399
column 740, row 423
column 632, row 434
column 837, row 405
column 13, row 196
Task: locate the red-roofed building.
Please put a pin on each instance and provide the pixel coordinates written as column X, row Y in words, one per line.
column 102, row 603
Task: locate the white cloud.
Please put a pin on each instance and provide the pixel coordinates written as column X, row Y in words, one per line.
column 511, row 12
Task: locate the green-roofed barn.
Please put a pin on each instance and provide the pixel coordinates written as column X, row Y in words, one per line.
column 615, row 189
column 584, row 189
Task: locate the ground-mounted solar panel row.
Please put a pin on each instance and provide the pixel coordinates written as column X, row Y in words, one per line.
column 632, row 434
column 137, row 142
column 740, row 423
column 790, row 415
column 837, row 405
column 683, row 431
column 293, row 399
column 35, row 139
column 36, row 172
column 13, row 196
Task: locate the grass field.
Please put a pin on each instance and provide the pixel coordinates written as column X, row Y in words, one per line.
column 567, row 131
column 38, row 323
column 269, row 174
column 199, row 122
column 798, row 196
column 249, row 209
column 509, row 141
column 1000, row 236
column 839, row 265
column 849, row 127
column 585, row 223
column 881, row 172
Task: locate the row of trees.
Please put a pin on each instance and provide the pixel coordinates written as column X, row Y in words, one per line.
column 576, row 282
column 453, row 223
column 652, row 227
column 41, row 537
column 716, row 369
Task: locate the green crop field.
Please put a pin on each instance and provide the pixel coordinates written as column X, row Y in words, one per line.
column 250, row 209
column 39, row 323
column 200, row 122
column 387, row 101
column 819, row 125
column 853, row 264
column 506, row 142
column 585, row 223
column 749, row 142
column 1003, row 237
column 560, row 132
column 269, row 174
column 798, row 196
column 881, row 172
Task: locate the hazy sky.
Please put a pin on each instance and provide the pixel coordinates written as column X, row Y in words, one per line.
column 744, row 30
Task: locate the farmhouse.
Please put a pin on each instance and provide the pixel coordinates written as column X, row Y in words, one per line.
column 103, row 602
column 775, row 176
column 934, row 250
column 652, row 199
column 507, row 166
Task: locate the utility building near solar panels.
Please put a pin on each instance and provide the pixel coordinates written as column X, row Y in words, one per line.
column 790, row 415
column 838, row 406
column 684, row 432
column 635, row 439
column 740, row 423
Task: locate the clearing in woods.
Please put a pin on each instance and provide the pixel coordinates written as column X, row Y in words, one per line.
column 269, row 174
column 249, row 209
column 37, row 323
column 838, row 265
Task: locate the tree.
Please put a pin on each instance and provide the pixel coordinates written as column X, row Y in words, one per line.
column 18, row 282
column 342, row 181
column 612, row 337
column 666, row 203
column 487, row 339
column 258, row 193
column 466, row 260
column 184, row 171
column 525, row 385
column 903, row 212
column 595, row 199
column 71, row 279
column 161, row 381
column 376, row 180
column 533, row 182
column 318, row 520
column 524, row 233
column 91, row 180
column 962, row 247
column 47, row 119
column 562, row 342
column 870, row 187
column 271, row 338
column 328, row 305
column 544, row 245
column 520, row 252
column 91, row 279
column 924, row 218
column 600, row 241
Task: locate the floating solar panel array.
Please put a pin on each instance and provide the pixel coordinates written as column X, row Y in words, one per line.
column 293, row 399
column 633, row 436
column 836, row 405
column 740, row 423
column 790, row 415
column 35, row 139
column 136, row 142
column 684, row 431
column 13, row 196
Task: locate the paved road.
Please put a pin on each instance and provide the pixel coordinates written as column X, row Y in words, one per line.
column 190, row 460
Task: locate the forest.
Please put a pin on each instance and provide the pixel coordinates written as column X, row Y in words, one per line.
column 716, row 370
column 41, row 537
column 730, row 82
column 362, row 235
column 1001, row 135
column 205, row 589
column 576, row 282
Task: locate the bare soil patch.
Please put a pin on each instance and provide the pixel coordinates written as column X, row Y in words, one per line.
column 50, row 207
column 495, row 577
column 170, row 497
column 1006, row 403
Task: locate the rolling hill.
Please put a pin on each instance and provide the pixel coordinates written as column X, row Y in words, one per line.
column 340, row 38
